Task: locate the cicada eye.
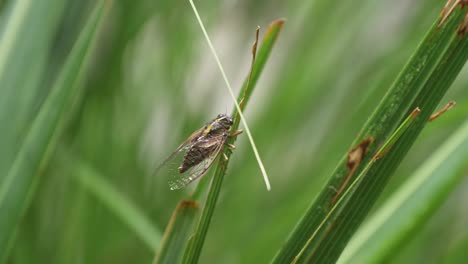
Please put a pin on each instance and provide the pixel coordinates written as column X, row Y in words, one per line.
column 229, row 120
column 220, row 115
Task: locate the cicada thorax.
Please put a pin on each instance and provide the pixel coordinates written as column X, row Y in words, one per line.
column 213, row 134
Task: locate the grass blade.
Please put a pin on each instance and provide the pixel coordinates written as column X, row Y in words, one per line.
column 264, row 50
column 26, row 33
column 385, row 148
column 192, row 253
column 128, row 212
column 177, row 233
column 237, row 105
column 410, row 207
column 17, row 186
column 422, row 83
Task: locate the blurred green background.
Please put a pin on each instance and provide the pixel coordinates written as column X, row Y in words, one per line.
column 151, row 81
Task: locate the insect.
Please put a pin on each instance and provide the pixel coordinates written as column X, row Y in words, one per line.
column 192, row 159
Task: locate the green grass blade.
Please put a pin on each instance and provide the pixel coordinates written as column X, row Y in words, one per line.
column 411, row 206
column 264, row 50
column 120, row 205
column 177, row 233
column 18, row 184
column 231, row 92
column 192, row 253
column 26, row 37
column 422, row 83
column 393, row 138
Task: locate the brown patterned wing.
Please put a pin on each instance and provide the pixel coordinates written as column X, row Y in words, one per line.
column 178, row 153
column 200, row 167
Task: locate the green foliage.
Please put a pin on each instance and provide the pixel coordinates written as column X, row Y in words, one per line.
column 194, row 248
column 117, row 202
column 408, row 209
column 320, row 237
column 178, row 232
column 150, row 81
column 18, row 182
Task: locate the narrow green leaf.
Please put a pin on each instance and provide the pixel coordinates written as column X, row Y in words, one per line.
column 18, row 184
column 177, row 233
column 193, row 250
column 411, row 206
column 393, row 138
column 120, row 205
column 422, row 83
column 264, row 50
column 26, row 38
column 231, row 92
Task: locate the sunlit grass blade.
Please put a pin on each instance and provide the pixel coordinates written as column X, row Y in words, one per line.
column 237, row 105
column 263, row 53
column 393, row 225
column 422, row 83
column 194, row 248
column 177, row 233
column 120, row 205
column 17, row 185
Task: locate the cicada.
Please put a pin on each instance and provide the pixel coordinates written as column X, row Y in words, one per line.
column 192, row 159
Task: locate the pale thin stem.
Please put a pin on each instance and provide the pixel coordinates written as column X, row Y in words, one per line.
column 244, row 122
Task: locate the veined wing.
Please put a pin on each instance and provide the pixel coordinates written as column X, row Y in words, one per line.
column 215, row 144
column 179, row 151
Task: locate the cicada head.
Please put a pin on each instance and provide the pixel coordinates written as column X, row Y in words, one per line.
column 225, row 121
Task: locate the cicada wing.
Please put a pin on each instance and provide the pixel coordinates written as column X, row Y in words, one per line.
column 180, row 180
column 178, row 154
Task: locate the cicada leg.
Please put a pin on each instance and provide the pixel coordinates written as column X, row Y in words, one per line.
column 231, row 146
column 236, row 133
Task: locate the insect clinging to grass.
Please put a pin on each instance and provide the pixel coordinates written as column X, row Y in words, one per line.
column 199, row 151
column 192, row 159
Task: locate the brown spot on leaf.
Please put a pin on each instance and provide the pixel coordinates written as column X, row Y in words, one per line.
column 449, row 8
column 463, row 27
column 187, row 203
column 355, row 157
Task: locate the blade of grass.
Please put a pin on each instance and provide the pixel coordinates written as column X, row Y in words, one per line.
column 18, row 184
column 263, row 53
column 26, row 37
column 384, row 149
column 237, row 105
column 422, row 83
column 193, row 250
column 177, row 233
column 120, row 205
column 411, row 206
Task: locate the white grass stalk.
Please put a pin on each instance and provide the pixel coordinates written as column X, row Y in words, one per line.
column 244, row 122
